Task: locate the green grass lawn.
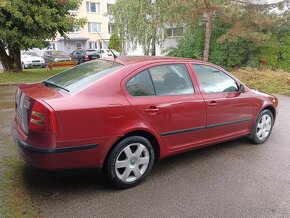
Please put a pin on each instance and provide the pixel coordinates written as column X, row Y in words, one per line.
column 29, row 75
column 264, row 80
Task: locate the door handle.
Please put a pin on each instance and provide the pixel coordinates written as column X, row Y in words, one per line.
column 152, row 109
column 212, row 103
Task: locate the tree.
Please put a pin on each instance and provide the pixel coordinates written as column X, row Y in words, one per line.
column 141, row 22
column 115, row 42
column 248, row 21
column 229, row 54
column 30, row 23
column 198, row 11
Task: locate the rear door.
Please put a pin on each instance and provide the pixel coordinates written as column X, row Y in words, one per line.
column 229, row 111
column 166, row 96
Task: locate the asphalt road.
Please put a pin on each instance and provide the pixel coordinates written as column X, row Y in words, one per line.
column 232, row 179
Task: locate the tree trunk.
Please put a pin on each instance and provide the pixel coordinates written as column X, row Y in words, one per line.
column 208, row 24
column 153, row 48
column 16, row 56
column 12, row 62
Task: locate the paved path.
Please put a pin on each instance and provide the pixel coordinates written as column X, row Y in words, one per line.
column 233, row 179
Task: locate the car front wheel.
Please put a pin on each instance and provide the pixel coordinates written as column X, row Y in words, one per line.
column 263, row 127
column 130, row 162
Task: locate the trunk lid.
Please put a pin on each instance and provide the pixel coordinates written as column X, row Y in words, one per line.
column 26, row 96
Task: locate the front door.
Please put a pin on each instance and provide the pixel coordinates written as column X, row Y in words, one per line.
column 165, row 96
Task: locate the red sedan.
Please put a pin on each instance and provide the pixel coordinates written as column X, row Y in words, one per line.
column 122, row 116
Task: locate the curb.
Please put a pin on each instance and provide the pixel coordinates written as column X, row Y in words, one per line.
column 10, row 84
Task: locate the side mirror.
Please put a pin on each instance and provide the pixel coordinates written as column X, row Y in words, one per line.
column 242, row 88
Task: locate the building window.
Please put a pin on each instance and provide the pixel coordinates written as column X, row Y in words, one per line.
column 93, row 45
column 94, row 27
column 52, row 46
column 78, row 45
column 174, row 32
column 109, row 9
column 93, row 7
column 110, row 28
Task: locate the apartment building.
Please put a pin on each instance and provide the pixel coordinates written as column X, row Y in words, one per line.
column 99, row 26
column 90, row 36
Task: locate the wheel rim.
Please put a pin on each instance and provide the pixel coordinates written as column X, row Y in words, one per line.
column 132, row 162
column 264, row 127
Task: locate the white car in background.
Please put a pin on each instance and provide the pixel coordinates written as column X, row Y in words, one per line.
column 31, row 59
column 105, row 53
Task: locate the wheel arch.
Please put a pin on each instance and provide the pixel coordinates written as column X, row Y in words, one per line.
column 271, row 109
column 146, row 134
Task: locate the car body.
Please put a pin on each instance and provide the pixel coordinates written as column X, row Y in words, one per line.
column 81, row 56
column 55, row 56
column 103, row 114
column 31, row 59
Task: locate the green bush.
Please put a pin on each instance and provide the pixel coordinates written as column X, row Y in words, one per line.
column 115, row 42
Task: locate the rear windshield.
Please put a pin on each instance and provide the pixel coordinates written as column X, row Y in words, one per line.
column 83, row 75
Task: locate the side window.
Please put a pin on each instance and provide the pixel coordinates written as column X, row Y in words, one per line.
column 171, row 79
column 140, row 85
column 213, row 80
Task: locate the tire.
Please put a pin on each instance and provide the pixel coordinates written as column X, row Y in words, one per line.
column 130, row 162
column 262, row 128
column 81, row 60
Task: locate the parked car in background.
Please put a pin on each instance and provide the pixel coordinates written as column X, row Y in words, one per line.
column 121, row 116
column 105, row 53
column 93, row 54
column 31, row 59
column 55, row 56
column 82, row 56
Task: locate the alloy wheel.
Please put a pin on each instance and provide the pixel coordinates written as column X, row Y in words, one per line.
column 264, row 127
column 132, row 162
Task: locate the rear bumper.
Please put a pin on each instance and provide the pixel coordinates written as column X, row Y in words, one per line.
column 65, row 158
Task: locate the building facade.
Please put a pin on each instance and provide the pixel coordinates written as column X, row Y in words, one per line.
column 94, row 35
column 97, row 31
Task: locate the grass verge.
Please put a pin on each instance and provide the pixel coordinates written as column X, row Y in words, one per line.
column 269, row 81
column 29, row 75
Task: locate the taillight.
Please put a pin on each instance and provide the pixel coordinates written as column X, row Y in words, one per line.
column 86, row 56
column 42, row 119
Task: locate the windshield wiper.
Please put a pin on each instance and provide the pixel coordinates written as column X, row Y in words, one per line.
column 55, row 85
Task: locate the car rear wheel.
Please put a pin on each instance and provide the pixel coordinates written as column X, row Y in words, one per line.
column 81, row 60
column 263, row 127
column 130, row 162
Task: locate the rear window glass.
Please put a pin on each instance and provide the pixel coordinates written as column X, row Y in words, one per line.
column 83, row 75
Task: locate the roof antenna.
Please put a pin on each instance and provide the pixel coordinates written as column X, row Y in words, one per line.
column 115, row 56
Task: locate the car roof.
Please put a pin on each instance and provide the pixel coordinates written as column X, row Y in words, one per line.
column 127, row 60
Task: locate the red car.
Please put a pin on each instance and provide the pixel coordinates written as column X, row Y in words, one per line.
column 122, row 116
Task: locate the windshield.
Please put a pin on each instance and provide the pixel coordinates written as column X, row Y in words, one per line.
column 83, row 75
